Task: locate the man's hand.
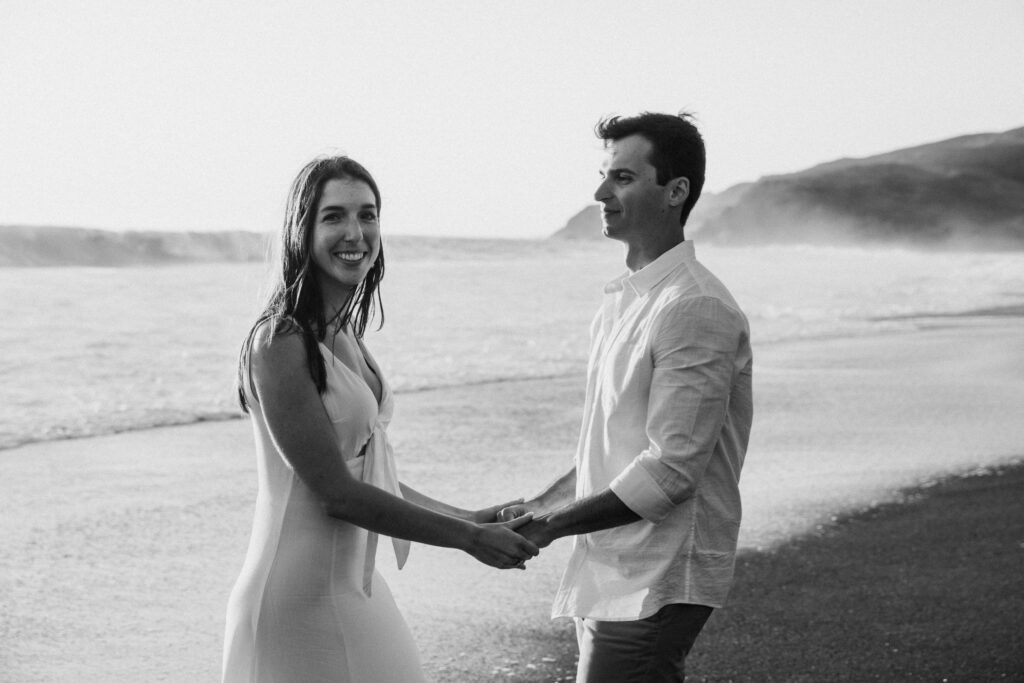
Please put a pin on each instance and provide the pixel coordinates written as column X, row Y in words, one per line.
column 601, row 511
column 538, row 531
column 517, row 508
column 493, row 514
column 558, row 493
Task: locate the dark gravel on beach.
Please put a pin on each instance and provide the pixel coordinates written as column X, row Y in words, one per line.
column 929, row 589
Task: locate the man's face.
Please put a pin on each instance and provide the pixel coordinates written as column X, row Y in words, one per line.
column 632, row 201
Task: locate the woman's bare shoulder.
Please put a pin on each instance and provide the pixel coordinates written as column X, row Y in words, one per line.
column 277, row 342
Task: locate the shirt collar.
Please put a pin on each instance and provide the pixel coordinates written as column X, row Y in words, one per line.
column 648, row 277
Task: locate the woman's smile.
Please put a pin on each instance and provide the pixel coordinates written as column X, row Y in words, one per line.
column 350, row 256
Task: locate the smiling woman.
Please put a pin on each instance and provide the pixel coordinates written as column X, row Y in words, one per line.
column 309, row 603
column 346, row 236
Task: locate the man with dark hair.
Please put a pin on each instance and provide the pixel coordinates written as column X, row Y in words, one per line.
column 653, row 497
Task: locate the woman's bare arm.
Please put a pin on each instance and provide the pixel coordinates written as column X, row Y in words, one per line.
column 302, row 431
column 481, row 516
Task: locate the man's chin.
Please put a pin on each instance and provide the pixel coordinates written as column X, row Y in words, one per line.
column 610, row 232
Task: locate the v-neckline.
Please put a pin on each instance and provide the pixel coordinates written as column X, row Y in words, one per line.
column 370, row 363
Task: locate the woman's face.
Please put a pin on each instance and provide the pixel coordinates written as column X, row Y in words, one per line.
column 346, row 236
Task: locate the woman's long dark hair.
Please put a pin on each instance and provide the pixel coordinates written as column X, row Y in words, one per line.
column 295, row 303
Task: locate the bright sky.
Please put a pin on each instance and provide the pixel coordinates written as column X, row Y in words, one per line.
column 476, row 117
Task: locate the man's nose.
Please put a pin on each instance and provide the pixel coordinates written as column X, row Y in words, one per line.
column 601, row 193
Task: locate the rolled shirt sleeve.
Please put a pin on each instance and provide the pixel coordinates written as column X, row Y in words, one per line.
column 694, row 347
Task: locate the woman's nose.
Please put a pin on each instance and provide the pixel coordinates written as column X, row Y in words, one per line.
column 351, row 230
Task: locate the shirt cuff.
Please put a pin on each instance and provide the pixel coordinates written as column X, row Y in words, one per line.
column 637, row 489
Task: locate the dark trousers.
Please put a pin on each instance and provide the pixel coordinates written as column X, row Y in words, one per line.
column 651, row 650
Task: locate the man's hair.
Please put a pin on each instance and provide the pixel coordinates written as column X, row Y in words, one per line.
column 677, row 148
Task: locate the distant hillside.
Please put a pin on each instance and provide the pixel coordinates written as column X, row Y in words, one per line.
column 587, row 223
column 25, row 246
column 584, row 225
column 964, row 192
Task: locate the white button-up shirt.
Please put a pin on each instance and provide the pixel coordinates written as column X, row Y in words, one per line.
column 665, row 425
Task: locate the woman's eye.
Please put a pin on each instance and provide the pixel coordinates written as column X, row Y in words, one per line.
column 368, row 216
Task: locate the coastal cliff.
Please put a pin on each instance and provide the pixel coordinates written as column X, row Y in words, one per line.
column 26, row 246
column 966, row 192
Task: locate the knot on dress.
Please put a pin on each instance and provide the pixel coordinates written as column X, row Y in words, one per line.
column 378, row 469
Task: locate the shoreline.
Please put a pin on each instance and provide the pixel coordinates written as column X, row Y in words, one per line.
column 925, row 320
column 123, row 547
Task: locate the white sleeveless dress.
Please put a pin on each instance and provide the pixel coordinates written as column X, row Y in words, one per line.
column 309, row 605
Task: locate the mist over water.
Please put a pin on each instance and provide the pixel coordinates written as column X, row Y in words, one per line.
column 97, row 350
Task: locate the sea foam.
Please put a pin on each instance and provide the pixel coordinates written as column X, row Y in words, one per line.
column 97, row 350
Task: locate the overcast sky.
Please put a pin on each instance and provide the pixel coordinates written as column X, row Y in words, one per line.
column 476, row 117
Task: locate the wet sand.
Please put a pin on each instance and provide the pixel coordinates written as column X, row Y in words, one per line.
column 119, row 551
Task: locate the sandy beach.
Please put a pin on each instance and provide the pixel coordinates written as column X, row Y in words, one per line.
column 119, row 551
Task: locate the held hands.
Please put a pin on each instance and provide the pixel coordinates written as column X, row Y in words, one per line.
column 536, row 530
column 509, row 534
column 515, row 509
column 498, row 545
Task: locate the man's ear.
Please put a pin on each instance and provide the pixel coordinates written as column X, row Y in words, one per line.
column 679, row 190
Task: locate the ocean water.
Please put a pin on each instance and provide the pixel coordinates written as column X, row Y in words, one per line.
column 88, row 351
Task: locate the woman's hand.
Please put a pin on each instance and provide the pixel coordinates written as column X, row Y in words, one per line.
column 498, row 545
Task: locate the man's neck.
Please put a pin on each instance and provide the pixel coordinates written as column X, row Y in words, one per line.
column 641, row 255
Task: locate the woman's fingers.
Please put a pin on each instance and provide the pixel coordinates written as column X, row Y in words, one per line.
column 500, row 560
column 515, row 563
column 524, row 548
column 503, row 547
column 512, row 550
column 524, row 544
column 523, row 541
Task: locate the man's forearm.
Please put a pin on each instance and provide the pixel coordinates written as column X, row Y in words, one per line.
column 558, row 493
column 594, row 513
